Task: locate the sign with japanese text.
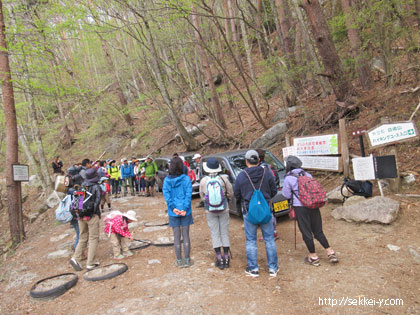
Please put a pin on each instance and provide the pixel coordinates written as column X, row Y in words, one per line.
column 390, row 133
column 329, row 163
column 288, row 151
column 316, row 145
column 364, row 168
column 20, row 173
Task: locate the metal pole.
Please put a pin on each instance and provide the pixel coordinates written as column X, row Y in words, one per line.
column 362, row 145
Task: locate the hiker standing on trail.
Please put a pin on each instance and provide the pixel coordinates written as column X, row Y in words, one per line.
column 89, row 225
column 309, row 220
column 216, row 191
column 114, row 175
column 263, row 163
column 127, row 174
column 197, row 160
column 105, row 192
column 177, row 190
column 249, row 180
column 116, row 228
column 86, row 164
column 57, row 166
column 151, row 170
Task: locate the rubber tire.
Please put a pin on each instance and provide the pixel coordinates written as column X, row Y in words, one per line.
column 55, row 292
column 163, row 244
column 111, row 275
column 146, row 243
column 147, row 224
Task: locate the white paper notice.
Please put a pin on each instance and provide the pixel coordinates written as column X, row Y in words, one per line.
column 364, row 168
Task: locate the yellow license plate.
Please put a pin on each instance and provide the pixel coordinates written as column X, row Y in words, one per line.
column 280, row 206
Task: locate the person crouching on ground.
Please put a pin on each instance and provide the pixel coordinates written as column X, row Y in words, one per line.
column 89, row 225
column 309, row 220
column 116, row 228
column 177, row 190
column 216, row 191
column 106, row 191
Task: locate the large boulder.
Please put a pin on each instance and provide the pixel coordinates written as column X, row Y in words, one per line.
column 54, row 199
column 270, row 137
column 35, row 181
column 378, row 209
column 283, row 113
column 191, row 105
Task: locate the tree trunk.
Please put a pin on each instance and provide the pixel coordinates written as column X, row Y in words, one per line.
column 226, row 21
column 30, row 156
column 14, row 202
column 206, row 66
column 120, row 93
column 283, row 11
column 341, row 86
column 260, row 27
column 362, row 66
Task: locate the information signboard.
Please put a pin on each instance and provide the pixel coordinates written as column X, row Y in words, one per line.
column 316, row 145
column 20, row 173
column 329, row 163
column 288, row 151
column 385, row 134
column 364, row 168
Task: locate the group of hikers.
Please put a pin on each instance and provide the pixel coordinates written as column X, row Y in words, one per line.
column 254, row 188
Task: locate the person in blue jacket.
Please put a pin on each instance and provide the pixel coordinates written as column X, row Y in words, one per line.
column 127, row 174
column 177, row 190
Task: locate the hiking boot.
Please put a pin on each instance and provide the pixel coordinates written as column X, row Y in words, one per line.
column 252, row 273
column 188, row 262
column 75, row 264
column 93, row 266
column 273, row 273
column 311, row 261
column 220, row 263
column 179, row 263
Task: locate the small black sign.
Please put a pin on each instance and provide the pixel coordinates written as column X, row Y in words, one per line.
column 386, row 167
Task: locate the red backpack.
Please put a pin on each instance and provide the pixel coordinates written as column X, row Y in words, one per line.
column 311, row 193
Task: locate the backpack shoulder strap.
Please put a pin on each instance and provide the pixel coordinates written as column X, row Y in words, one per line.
column 262, row 179
column 249, row 179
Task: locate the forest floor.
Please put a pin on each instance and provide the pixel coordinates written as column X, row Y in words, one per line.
column 368, row 272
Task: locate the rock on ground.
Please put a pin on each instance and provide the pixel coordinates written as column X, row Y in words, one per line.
column 61, row 253
column 394, row 248
column 378, row 209
column 353, row 200
column 270, row 137
column 54, row 199
column 283, row 113
column 154, row 261
column 155, row 228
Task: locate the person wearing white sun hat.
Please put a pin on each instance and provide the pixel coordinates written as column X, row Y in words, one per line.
column 116, row 228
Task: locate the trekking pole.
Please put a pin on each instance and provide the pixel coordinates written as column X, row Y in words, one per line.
column 295, row 233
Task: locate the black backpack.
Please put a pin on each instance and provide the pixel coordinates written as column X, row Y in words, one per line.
column 356, row 188
column 83, row 204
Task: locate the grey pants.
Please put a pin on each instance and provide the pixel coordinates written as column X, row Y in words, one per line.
column 219, row 228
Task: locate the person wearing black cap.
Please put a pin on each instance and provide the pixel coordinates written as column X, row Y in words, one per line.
column 309, row 220
column 89, row 225
column 250, row 177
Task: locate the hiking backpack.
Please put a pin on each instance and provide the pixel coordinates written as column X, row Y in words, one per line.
column 83, row 205
column 62, row 213
column 311, row 193
column 357, row 188
column 215, row 198
column 258, row 209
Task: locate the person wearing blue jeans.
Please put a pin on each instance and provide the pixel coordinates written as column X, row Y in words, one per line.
column 75, row 225
column 256, row 176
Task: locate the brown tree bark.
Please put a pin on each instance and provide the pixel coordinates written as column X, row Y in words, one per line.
column 261, row 42
column 206, row 67
column 341, row 86
column 283, row 11
column 362, row 67
column 14, row 202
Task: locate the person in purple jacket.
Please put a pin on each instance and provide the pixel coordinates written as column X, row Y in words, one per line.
column 309, row 220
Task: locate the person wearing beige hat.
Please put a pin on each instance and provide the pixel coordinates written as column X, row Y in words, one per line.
column 116, row 228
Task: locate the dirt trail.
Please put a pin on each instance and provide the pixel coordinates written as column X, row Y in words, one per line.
column 367, row 270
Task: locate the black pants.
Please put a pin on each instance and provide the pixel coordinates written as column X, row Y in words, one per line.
column 310, row 225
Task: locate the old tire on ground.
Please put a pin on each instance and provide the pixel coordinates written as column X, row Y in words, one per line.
column 163, row 244
column 143, row 244
column 54, row 292
column 123, row 268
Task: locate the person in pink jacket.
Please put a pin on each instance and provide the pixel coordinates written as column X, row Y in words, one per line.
column 116, row 227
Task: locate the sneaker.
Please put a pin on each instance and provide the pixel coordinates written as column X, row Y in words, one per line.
column 220, row 263
column 93, row 266
column 333, row 258
column 188, row 262
column 75, row 264
column 129, row 253
column 227, row 262
column 119, row 257
column 311, row 261
column 252, row 273
column 276, row 236
column 273, row 273
column 179, row 263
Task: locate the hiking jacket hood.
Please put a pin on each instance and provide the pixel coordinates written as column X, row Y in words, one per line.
column 243, row 189
column 177, row 191
column 291, row 188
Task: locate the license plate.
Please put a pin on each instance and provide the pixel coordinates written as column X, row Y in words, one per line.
column 280, row 206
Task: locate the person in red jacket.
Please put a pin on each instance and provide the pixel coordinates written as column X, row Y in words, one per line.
column 116, row 227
